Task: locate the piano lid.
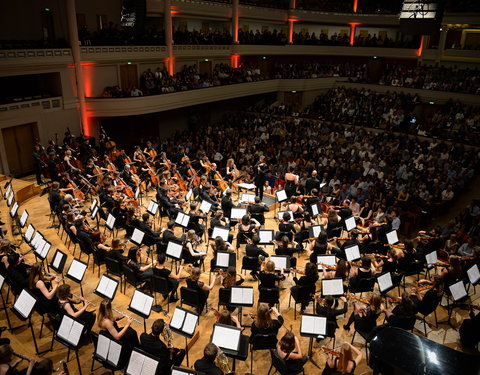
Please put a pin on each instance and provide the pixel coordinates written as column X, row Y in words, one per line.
column 395, row 351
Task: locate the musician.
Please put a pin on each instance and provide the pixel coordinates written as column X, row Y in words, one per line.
column 6, row 356
column 284, row 248
column 38, row 163
column 68, row 161
column 365, row 315
column 470, row 331
column 43, row 290
column 219, row 245
column 143, row 273
column 194, row 222
column 286, row 228
column 231, row 280
column 296, row 209
column 258, row 209
column 310, row 278
column 252, row 250
column 165, row 202
column 169, row 234
column 152, row 344
column 291, row 182
column 248, row 226
column 365, row 271
column 432, row 296
column 66, row 303
column 226, row 317
column 290, row 351
column 334, row 223
column 312, row 183
column 151, row 236
column 319, row 246
column 15, row 270
column 352, row 241
column 127, row 177
column 387, row 265
column 150, row 151
column 403, row 315
column 213, row 175
column 206, row 165
column 138, row 156
column 203, row 289
column 366, row 213
column 267, row 322
column 173, row 278
column 208, row 193
column 268, row 277
column 206, row 364
column 328, row 308
column 260, row 170
column 231, row 171
column 126, row 335
column 84, row 236
column 52, row 167
column 116, row 251
column 227, row 205
column 345, row 364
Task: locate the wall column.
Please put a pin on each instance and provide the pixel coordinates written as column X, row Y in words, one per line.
column 77, row 61
column 235, row 21
column 168, row 25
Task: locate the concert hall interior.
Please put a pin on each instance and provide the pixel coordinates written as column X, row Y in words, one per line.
column 239, row 187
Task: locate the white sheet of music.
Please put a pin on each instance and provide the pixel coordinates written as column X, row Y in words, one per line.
column 332, row 287
column 137, row 192
column 431, row 257
column 314, row 325
column 242, row 296
column 266, row 236
column 316, row 230
column 93, row 205
column 177, row 319
column 174, row 250
column 220, row 232
column 190, row 323
column 281, row 213
column 23, row 218
column 205, row 207
column 238, row 213
column 114, row 352
column 94, row 213
column 314, row 209
column 14, row 209
column 110, row 221
column 330, row 260
column 10, row 199
column 280, row 262
column 352, row 253
column 58, row 259
column 107, row 286
column 65, row 327
column 141, row 302
column 24, row 304
column 322, row 184
column 39, row 244
column 182, row 219
column 350, row 223
column 103, row 345
column 7, row 193
column 137, row 236
column 45, row 249
column 152, row 207
column 38, row 236
column 458, row 290
column 222, row 260
column 385, row 281
column 473, row 274
column 29, row 232
column 392, row 237
column 2, row 280
column 247, row 198
column 281, row 195
column 226, row 338
column 188, row 195
column 149, row 366
column 244, row 185
column 135, row 363
column 77, row 270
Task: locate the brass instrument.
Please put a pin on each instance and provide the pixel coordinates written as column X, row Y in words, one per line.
column 127, row 316
column 168, row 337
column 221, row 361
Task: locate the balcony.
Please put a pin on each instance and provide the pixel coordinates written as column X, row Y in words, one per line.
column 35, row 57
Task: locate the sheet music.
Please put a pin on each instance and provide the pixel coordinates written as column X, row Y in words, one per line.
column 94, row 213
column 9, row 190
column 281, row 213
column 136, row 363
column 114, row 352
column 183, row 372
column 75, row 333
column 24, row 303
column 23, row 218
column 152, row 207
column 174, row 250
column 244, row 185
column 473, row 274
column 29, row 232
column 241, row 296
column 332, row 287
column 94, row 204
column 238, row 213
column 385, row 281
column 188, row 195
column 247, row 198
column 225, row 337
column 317, row 229
column 2, row 279
column 103, row 345
column 110, row 221
column 182, row 219
column 177, row 319
column 77, row 270
column 45, row 249
column 10, row 199
column 280, row 262
column 458, row 290
column 330, row 260
column 137, row 236
column 220, row 232
column 392, row 237
column 314, row 325
column 322, row 184
column 39, row 245
column 431, row 258
column 141, row 302
column 352, row 253
column 14, row 209
column 350, row 223
column 266, row 236
column 137, row 192
column 223, row 259
column 190, row 323
column 65, row 327
column 107, row 286
column 205, row 207
column 38, row 236
column 281, row 195
column 57, row 259
column 149, row 366
column 315, row 209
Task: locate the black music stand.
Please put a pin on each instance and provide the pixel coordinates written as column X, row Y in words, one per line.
column 58, row 261
column 108, row 352
column 313, row 327
column 76, row 272
column 107, row 287
column 184, row 322
column 241, row 296
column 141, row 304
column 69, row 334
column 2, row 282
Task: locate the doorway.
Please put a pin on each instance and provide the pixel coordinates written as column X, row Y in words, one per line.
column 128, row 76
column 19, row 141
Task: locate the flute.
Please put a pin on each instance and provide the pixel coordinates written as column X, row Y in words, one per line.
column 54, row 276
column 127, row 316
column 84, row 300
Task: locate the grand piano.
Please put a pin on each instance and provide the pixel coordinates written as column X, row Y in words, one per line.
column 394, row 351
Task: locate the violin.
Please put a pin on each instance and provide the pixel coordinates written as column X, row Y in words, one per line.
column 421, row 288
column 327, row 266
column 377, row 256
column 331, row 352
column 359, row 299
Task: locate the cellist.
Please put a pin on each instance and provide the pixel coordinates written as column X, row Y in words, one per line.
column 150, row 152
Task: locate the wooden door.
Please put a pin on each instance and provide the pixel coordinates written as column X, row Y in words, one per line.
column 19, row 141
column 128, row 76
column 205, row 67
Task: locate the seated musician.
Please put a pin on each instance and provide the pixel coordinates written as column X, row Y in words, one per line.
column 267, row 322
column 206, row 364
column 268, row 277
column 195, row 217
column 173, row 278
column 290, row 351
column 403, row 315
column 365, row 315
column 151, row 236
column 116, row 251
column 365, row 271
column 309, row 278
column 67, row 302
column 127, row 177
column 84, row 236
column 227, row 205
column 190, row 253
column 334, row 223
column 225, row 317
column 387, row 265
column 165, row 202
column 166, row 354
column 143, row 273
column 169, row 234
column 231, row 280
column 119, row 211
column 6, row 357
column 285, row 247
column 193, row 282
column 319, row 246
column 353, row 239
column 207, row 193
column 248, row 226
column 342, row 271
column 286, row 228
column 218, row 220
column 15, row 270
column 258, row 209
column 432, row 296
column 293, row 206
column 345, row 363
column 44, row 288
column 219, row 245
column 252, row 250
column 328, row 307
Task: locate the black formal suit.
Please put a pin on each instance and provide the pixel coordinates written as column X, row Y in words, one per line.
column 311, row 183
column 261, row 170
column 206, row 367
column 150, row 234
column 156, row 347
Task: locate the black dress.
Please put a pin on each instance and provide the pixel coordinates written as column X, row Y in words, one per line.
column 87, row 317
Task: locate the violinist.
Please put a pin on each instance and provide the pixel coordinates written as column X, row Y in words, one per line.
column 286, row 228
column 119, row 211
column 403, row 315
column 84, row 236
column 286, row 248
column 311, row 200
column 328, row 308
column 231, row 280
column 365, row 271
column 365, row 315
column 151, row 236
column 252, row 250
column 387, row 265
column 432, row 297
column 310, row 278
column 319, row 246
column 296, row 209
column 192, row 255
column 267, row 322
column 195, row 217
column 172, row 277
column 268, row 277
column 169, row 234
column 225, row 317
column 345, row 363
column 44, row 288
column 116, row 251
column 289, row 349
column 227, row 205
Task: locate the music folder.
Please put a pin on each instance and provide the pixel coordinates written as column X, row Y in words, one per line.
column 238, row 213
column 281, row 261
column 137, row 236
column 205, row 207
column 458, row 290
column 2, row 280
column 392, row 237
column 473, row 274
column 281, row 195
column 225, row 260
column 226, row 338
column 141, row 363
column 24, row 218
column 36, row 240
column 152, row 207
column 220, row 232
column 185, row 371
column 9, row 189
column 182, row 219
column 59, row 260
column 29, row 233
column 266, row 236
column 14, row 210
column 332, row 287
column 141, row 303
column 350, row 223
column 352, row 253
column 241, row 295
column 108, row 349
column 107, row 287
column 329, row 260
column 313, row 326
column 174, row 250
column 184, row 322
column 77, row 269
column 24, row 304
column 316, row 208
column 314, row 231
column 70, row 330
column 110, row 223
column 281, row 213
column 431, row 259
column 385, row 282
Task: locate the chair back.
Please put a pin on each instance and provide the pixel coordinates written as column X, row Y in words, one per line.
column 269, row 295
column 250, row 263
column 130, row 275
column 114, row 267
column 85, row 248
column 190, row 297
column 262, row 341
column 365, row 285
column 160, row 284
column 260, row 217
column 304, row 293
column 278, row 362
column 55, row 321
column 428, row 307
column 224, row 296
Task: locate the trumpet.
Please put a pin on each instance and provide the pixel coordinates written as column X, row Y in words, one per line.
column 23, row 357
column 84, row 300
column 127, row 316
